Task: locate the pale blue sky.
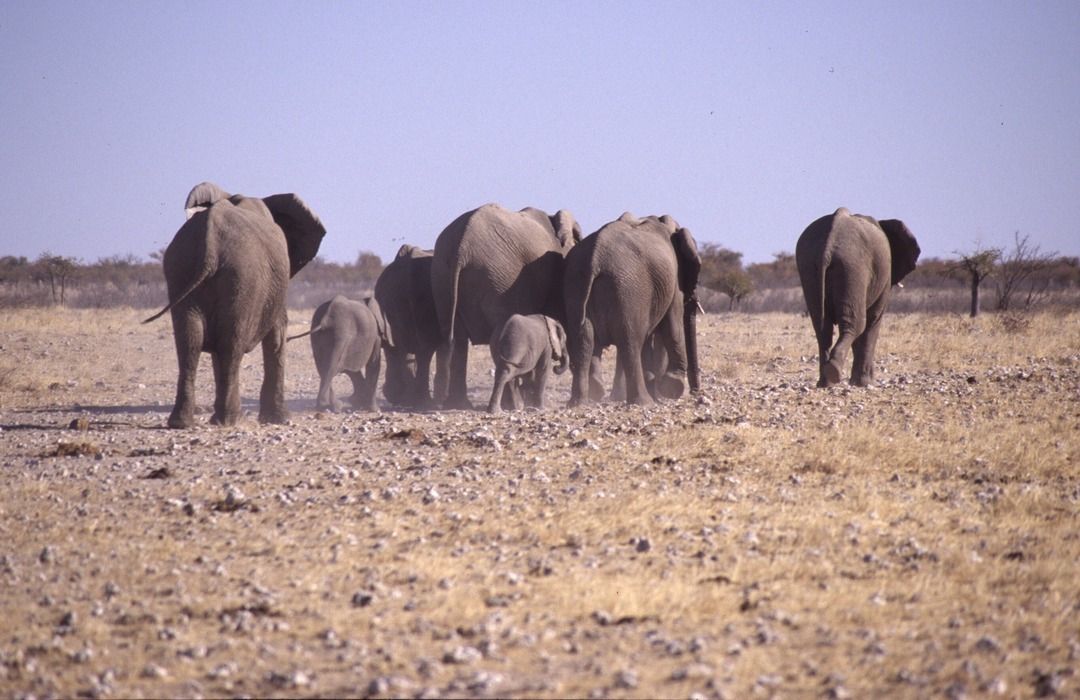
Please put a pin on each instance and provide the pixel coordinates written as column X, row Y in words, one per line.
column 745, row 121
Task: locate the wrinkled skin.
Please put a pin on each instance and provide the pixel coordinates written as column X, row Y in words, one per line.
column 489, row 264
column 529, row 348
column 631, row 279
column 227, row 271
column 346, row 338
column 403, row 291
column 848, row 264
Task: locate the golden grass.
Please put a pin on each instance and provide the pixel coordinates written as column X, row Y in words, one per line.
column 915, row 539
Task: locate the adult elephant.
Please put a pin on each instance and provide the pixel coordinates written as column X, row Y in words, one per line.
column 848, row 264
column 403, row 291
column 632, row 278
column 489, row 264
column 227, row 270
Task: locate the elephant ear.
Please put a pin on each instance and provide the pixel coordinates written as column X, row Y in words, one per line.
column 201, row 197
column 686, row 252
column 303, row 230
column 903, row 246
column 380, row 321
column 553, row 337
column 567, row 230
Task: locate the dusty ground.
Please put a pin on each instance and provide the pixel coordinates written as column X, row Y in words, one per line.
column 919, row 539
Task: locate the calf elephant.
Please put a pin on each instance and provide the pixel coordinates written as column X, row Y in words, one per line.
column 227, row 270
column 403, row 291
column 526, row 347
column 489, row 264
column 848, row 264
column 346, row 338
column 632, row 278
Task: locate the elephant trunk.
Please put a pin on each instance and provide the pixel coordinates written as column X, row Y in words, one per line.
column 693, row 370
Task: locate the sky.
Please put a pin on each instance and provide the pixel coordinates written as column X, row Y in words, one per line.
column 743, row 120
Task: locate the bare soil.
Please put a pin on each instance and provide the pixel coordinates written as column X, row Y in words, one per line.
column 763, row 539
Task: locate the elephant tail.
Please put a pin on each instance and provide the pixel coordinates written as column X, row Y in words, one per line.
column 192, row 286
column 823, row 267
column 317, row 329
column 585, row 297
column 455, row 276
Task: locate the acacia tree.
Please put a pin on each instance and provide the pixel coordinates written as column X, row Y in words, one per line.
column 58, row 270
column 976, row 266
column 722, row 270
column 1024, row 265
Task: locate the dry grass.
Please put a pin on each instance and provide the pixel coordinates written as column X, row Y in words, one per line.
column 920, row 538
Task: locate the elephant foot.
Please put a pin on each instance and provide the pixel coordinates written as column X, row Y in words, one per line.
column 457, row 402
column 669, row 386
column 279, row 417
column 830, row 375
column 181, row 420
column 227, row 419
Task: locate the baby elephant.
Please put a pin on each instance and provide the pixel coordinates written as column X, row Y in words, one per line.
column 524, row 347
column 346, row 338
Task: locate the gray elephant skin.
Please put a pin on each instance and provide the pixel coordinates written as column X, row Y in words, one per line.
column 347, row 337
column 489, row 264
column 848, row 264
column 227, row 271
column 632, row 278
column 403, row 291
column 526, row 349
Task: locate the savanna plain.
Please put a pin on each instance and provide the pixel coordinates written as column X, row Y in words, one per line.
column 762, row 539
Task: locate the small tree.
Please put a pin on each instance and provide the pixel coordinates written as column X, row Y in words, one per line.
column 736, row 284
column 58, row 270
column 976, row 267
column 1024, row 265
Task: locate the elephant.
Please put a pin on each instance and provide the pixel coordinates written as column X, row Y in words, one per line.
column 632, row 278
column 848, row 264
column 346, row 338
column 489, row 264
column 227, row 271
column 403, row 291
column 525, row 347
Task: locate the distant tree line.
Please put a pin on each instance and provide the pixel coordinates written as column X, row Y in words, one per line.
column 56, row 280
column 1017, row 278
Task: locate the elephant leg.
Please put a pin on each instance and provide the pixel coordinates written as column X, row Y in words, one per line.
column 226, row 387
column 272, row 395
column 669, row 382
column 828, row 374
column 420, row 392
column 189, row 340
column 629, row 357
column 364, row 385
column 502, row 378
column 850, row 330
column 331, row 367
column 862, row 368
column 618, row 384
column 440, row 388
column 540, row 386
column 457, row 395
column 596, row 385
column 582, row 365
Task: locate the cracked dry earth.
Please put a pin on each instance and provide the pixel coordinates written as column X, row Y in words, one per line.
column 763, row 539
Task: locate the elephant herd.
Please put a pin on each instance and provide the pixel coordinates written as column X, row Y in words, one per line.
column 525, row 283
